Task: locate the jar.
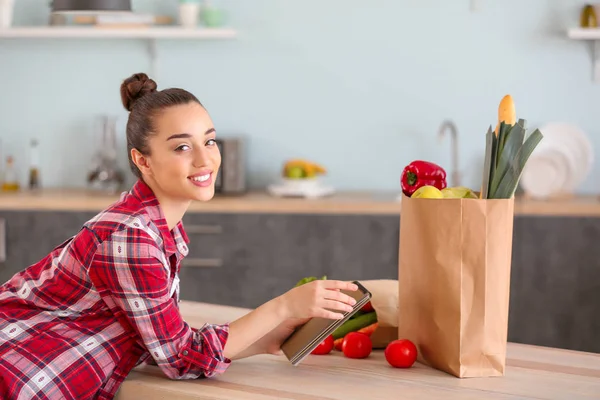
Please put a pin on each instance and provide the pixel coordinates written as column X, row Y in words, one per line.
column 189, row 11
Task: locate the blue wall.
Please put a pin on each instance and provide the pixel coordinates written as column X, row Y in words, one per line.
column 359, row 86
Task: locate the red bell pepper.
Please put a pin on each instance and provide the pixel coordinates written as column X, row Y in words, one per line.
column 422, row 173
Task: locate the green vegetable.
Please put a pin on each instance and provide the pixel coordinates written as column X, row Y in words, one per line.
column 509, row 154
column 358, row 314
column 354, row 324
column 309, row 279
column 509, row 141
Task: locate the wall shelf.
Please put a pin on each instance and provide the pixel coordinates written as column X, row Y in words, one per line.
column 151, row 34
column 592, row 35
column 62, row 32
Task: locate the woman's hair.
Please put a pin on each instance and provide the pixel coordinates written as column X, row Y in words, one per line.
column 144, row 103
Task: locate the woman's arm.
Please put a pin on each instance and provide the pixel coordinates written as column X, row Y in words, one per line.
column 129, row 275
column 320, row 298
column 271, row 342
column 248, row 329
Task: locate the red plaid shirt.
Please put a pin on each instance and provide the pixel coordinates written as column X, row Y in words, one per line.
column 73, row 325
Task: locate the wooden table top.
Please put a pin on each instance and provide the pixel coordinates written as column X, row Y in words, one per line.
column 532, row 373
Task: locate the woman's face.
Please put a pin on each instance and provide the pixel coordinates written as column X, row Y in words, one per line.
column 184, row 157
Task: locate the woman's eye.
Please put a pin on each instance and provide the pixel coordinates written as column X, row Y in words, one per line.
column 211, row 142
column 182, row 147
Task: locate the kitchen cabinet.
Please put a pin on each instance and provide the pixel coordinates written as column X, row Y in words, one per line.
column 30, row 235
column 245, row 259
column 555, row 282
column 248, row 259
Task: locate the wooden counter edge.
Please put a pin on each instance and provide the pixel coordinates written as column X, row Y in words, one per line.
column 369, row 203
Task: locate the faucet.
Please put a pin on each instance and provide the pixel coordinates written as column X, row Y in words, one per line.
column 449, row 124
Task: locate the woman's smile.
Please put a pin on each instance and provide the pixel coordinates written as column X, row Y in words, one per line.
column 202, row 179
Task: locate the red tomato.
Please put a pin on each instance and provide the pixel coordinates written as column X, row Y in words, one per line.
column 401, row 353
column 357, row 345
column 368, row 307
column 324, row 347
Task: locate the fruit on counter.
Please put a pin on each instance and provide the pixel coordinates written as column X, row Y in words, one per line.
column 367, row 330
column 401, row 353
column 353, row 338
column 302, row 169
column 458, row 192
column 364, row 322
column 506, row 112
column 357, row 345
column 421, row 173
column 324, row 347
column 427, row 192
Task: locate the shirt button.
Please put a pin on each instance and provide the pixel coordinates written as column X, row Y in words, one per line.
column 185, row 352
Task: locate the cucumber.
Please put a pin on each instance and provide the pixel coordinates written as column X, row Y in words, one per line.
column 357, row 314
column 354, row 324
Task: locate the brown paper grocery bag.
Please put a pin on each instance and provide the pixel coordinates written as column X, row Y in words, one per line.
column 384, row 300
column 454, row 281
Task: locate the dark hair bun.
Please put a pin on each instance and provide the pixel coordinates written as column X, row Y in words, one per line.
column 134, row 87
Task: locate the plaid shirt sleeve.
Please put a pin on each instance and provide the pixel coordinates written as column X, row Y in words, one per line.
column 133, row 278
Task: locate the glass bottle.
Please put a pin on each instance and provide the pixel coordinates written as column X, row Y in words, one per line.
column 11, row 183
column 588, row 17
column 34, row 172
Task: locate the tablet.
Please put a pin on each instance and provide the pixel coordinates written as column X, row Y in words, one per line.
column 308, row 336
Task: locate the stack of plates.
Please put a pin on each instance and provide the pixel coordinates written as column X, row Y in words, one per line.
column 560, row 163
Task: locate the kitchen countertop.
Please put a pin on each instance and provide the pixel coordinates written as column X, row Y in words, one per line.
column 257, row 201
column 532, row 373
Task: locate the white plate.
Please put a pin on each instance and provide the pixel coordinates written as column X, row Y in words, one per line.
column 548, row 173
column 309, row 188
column 560, row 163
column 575, row 143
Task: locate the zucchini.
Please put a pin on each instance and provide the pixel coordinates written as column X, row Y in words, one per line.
column 354, row 324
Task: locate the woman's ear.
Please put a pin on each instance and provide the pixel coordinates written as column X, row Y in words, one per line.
column 141, row 161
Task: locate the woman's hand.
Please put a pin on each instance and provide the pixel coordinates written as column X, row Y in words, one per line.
column 319, row 298
column 272, row 341
column 278, row 317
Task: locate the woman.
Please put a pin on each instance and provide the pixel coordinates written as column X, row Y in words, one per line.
column 73, row 325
